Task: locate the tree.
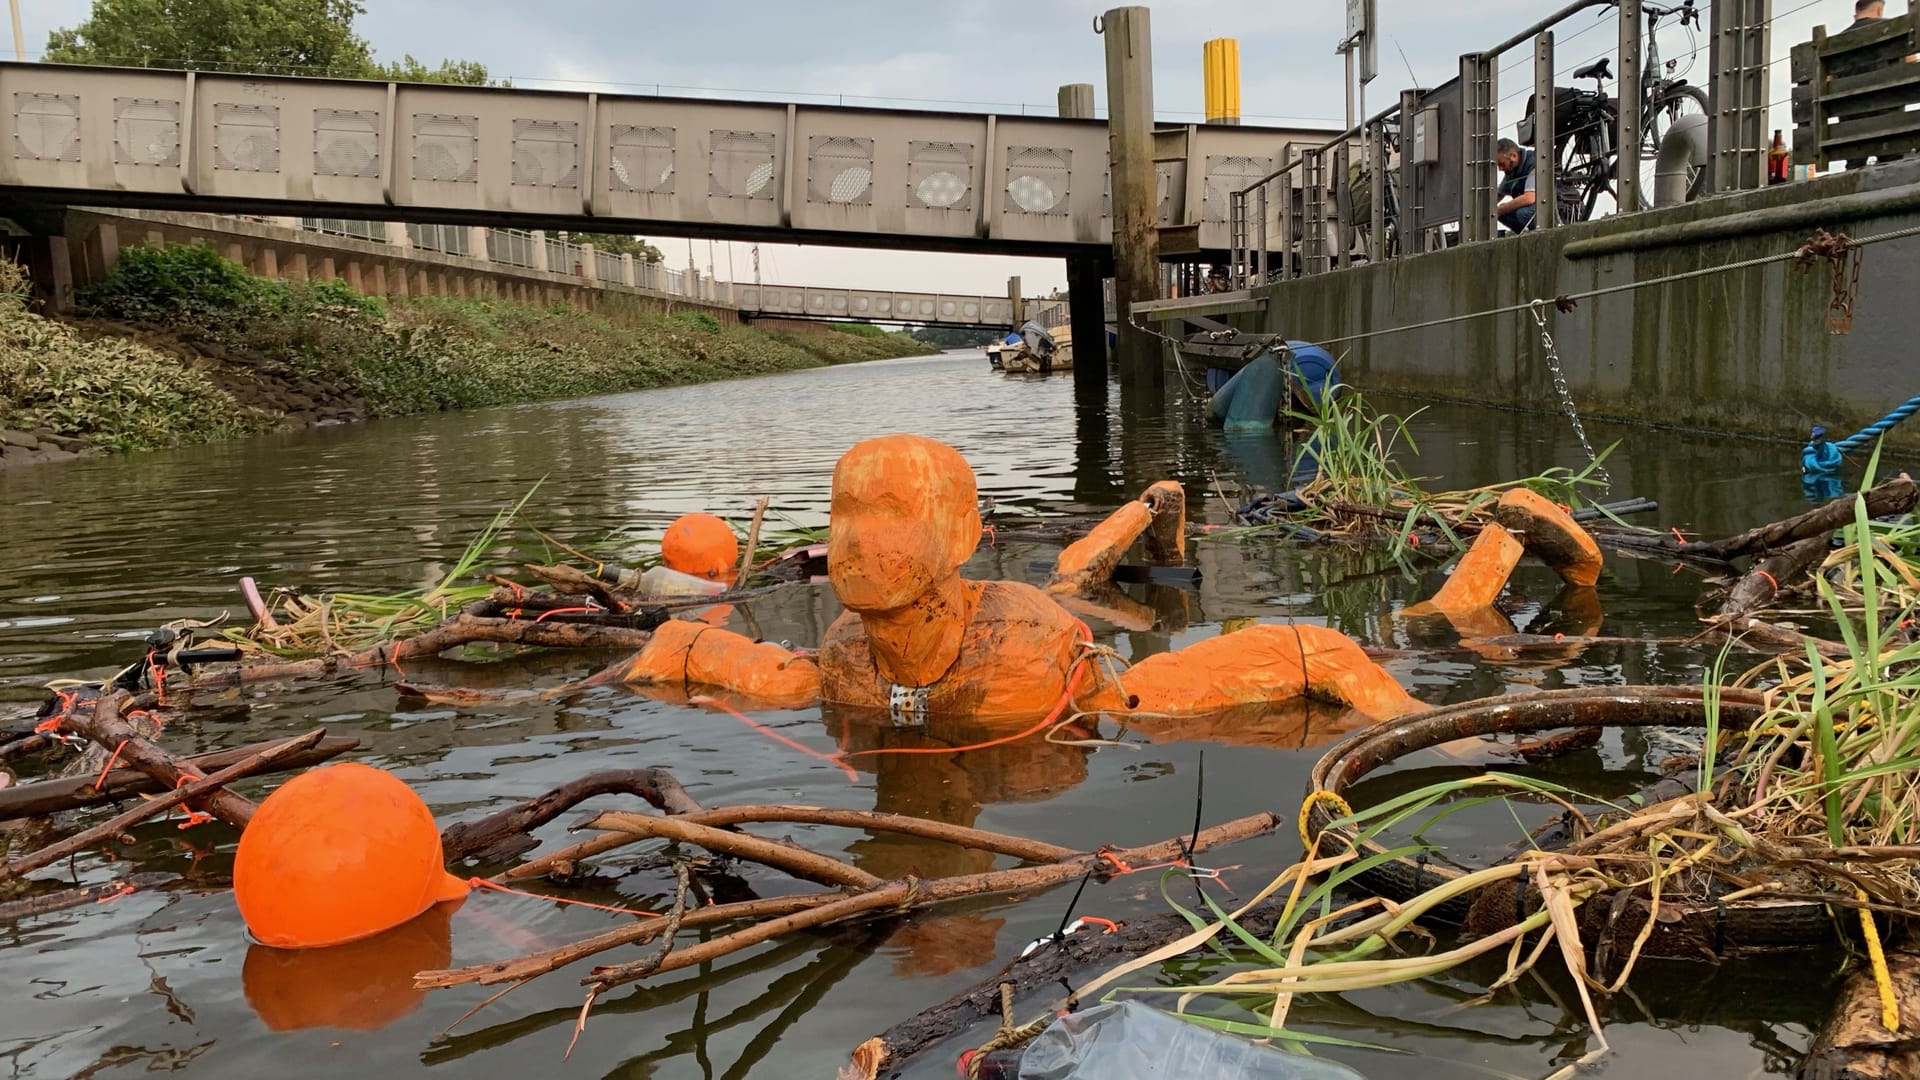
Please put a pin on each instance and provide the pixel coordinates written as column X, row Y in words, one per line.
column 458, row 72
column 275, row 37
column 289, row 37
column 619, row 245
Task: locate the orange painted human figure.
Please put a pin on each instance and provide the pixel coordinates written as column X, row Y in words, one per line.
column 345, row 853
column 918, row 639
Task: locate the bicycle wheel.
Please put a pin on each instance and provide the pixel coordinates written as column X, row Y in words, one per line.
column 1673, row 103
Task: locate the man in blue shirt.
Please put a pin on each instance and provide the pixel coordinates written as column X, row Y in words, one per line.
column 1517, row 198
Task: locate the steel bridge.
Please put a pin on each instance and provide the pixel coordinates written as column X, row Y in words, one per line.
column 860, row 177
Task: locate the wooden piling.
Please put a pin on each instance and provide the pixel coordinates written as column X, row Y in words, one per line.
column 1136, row 254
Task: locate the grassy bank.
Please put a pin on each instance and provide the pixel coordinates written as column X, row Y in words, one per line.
column 180, row 345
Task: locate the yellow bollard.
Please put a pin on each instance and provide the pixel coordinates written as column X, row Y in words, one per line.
column 1220, row 59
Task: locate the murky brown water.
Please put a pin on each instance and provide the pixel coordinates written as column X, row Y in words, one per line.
column 95, row 554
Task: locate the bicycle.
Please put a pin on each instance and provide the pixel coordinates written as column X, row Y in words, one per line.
column 1585, row 122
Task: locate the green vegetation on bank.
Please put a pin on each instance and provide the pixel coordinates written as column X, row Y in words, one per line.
column 112, row 392
column 239, row 353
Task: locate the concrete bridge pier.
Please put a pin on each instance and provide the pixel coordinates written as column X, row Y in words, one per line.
column 1087, row 312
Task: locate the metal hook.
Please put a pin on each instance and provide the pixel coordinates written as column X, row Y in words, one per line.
column 1099, row 24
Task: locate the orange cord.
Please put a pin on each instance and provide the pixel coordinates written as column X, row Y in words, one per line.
column 1769, row 577
column 194, row 817
column 831, row 759
column 567, row 611
column 125, row 890
column 100, row 781
column 483, row 883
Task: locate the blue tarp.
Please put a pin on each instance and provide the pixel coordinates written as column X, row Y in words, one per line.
column 1252, row 397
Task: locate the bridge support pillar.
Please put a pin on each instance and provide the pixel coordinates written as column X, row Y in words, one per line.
column 50, row 262
column 539, row 244
column 1136, row 242
column 1087, row 310
column 477, row 243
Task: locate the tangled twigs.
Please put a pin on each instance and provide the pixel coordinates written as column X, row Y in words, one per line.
column 781, row 910
column 105, row 727
column 107, row 830
column 460, row 630
column 899, row 894
column 505, row 834
column 74, row 792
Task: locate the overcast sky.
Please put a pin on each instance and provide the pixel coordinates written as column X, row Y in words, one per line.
column 977, row 55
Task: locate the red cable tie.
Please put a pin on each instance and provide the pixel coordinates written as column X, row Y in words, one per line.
column 125, row 890
column 1769, row 577
column 1108, row 925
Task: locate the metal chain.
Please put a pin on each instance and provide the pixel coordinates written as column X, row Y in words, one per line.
column 1539, row 310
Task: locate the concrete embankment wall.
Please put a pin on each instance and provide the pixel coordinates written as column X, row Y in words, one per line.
column 1745, row 350
column 93, row 240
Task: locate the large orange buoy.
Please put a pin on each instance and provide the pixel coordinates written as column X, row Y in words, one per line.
column 701, row 545
column 337, row 854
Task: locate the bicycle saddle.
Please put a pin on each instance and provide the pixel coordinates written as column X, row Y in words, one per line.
column 1599, row 69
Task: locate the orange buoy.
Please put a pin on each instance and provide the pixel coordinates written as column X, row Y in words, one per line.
column 701, row 545
column 338, row 854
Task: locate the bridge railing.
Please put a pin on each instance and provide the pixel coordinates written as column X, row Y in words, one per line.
column 1851, row 92
column 1421, row 173
column 511, row 246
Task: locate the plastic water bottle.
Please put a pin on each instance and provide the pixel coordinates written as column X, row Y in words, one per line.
column 1125, row 1040
column 661, row 582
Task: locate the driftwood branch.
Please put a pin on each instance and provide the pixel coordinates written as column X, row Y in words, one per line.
column 43, row 903
column 505, row 834
column 924, row 893
column 1757, row 587
column 567, row 859
column 797, row 861
column 460, row 630
column 107, row 830
column 1854, row 1045
column 1896, row 496
column 75, row 792
column 105, row 727
column 898, row 894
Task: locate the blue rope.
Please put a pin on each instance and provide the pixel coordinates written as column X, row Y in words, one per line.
column 1880, row 427
column 1821, row 457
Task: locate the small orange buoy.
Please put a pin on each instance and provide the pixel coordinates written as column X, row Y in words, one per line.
column 701, row 545
column 338, row 854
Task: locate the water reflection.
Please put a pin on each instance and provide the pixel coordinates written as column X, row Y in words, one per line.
column 160, row 978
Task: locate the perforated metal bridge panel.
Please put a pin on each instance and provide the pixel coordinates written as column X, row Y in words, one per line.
column 1038, row 179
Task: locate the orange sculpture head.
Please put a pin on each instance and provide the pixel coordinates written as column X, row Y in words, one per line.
column 906, row 516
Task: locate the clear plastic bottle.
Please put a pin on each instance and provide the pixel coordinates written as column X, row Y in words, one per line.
column 661, row 582
column 1125, row 1040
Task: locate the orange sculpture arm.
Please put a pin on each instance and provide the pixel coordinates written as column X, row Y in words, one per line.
column 1258, row 664
column 1091, row 559
column 695, row 654
column 1550, row 533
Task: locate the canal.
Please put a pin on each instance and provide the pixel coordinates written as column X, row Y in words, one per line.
column 95, row 554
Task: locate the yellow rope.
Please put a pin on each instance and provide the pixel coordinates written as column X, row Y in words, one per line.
column 1009, row 1036
column 1341, row 809
column 1882, row 978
